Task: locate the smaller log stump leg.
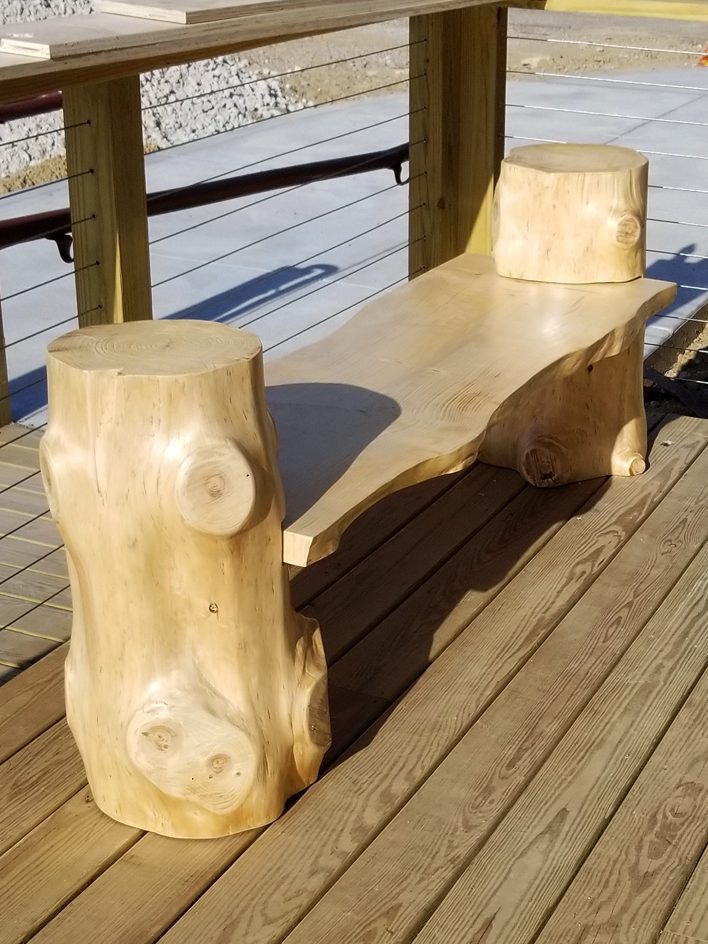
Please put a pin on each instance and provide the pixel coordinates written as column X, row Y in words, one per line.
column 197, row 696
column 572, row 213
column 585, row 422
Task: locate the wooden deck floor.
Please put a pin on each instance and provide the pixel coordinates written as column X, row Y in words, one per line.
column 519, row 693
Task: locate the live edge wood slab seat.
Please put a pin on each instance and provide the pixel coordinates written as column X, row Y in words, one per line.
column 459, row 364
column 184, row 479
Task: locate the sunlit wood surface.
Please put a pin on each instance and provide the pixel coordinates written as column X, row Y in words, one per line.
column 519, row 694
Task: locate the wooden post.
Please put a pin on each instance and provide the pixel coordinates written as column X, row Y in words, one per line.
column 106, row 167
column 197, row 696
column 457, row 102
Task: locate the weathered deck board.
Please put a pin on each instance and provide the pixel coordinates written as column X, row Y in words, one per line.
column 632, row 878
column 689, row 919
column 337, row 820
column 539, row 611
column 78, row 837
column 29, row 708
column 364, row 596
column 518, row 877
column 414, row 861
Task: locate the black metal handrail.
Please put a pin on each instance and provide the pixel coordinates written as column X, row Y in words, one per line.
column 56, row 224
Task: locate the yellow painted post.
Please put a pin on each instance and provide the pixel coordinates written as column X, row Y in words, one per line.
column 457, row 98
column 106, row 167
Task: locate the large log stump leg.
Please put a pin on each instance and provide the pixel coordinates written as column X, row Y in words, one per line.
column 197, row 696
column 587, row 420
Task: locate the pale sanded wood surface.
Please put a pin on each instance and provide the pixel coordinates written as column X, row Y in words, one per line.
column 561, row 613
column 408, row 388
column 216, row 713
column 603, row 239
column 189, row 11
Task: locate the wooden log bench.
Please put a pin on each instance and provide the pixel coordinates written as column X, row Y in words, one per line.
column 183, row 479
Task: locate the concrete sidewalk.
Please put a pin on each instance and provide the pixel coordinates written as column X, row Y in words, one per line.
column 295, row 265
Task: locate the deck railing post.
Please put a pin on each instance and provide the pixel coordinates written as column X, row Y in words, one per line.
column 458, row 97
column 106, row 169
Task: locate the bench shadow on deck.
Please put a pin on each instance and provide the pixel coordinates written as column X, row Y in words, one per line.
column 519, row 692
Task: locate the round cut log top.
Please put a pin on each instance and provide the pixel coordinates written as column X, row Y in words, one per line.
column 576, row 158
column 156, row 348
column 572, row 213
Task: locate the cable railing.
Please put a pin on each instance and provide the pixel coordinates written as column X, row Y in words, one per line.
column 672, row 257
column 273, row 179
column 344, row 253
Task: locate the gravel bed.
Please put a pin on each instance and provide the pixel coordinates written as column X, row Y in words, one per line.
column 250, row 95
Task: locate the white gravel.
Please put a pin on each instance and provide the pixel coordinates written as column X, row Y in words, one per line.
column 166, row 120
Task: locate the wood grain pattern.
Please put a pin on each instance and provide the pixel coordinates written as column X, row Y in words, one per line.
column 106, row 167
column 54, row 623
column 23, row 649
column 75, row 35
column 7, row 673
column 183, row 879
column 413, row 862
column 571, row 213
column 17, row 453
column 19, row 500
column 368, row 532
column 30, row 705
column 171, row 880
column 17, row 553
column 338, row 818
column 458, row 80
column 356, row 603
column 34, row 587
column 689, row 919
column 59, row 37
column 23, row 435
column 640, row 866
column 36, row 874
column 175, row 882
column 35, row 781
column 198, row 697
column 157, row 875
column 17, row 475
column 415, row 381
column 511, row 886
column 531, row 541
